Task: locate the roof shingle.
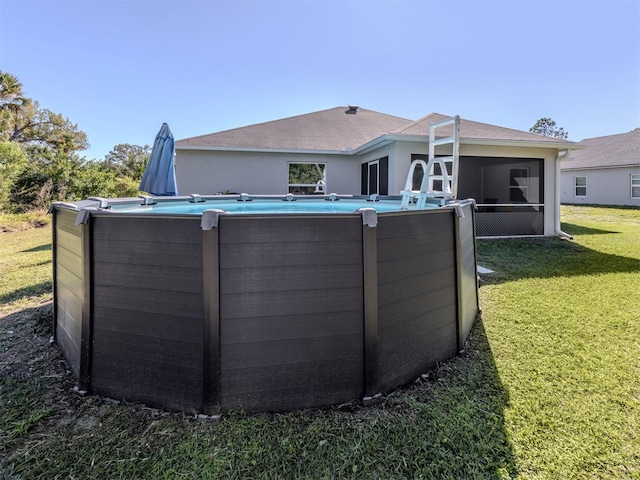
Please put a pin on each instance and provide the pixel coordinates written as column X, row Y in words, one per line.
column 476, row 130
column 622, row 149
column 336, row 130
column 329, row 130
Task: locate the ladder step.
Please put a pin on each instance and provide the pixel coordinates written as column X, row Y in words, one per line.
column 443, row 141
column 448, row 167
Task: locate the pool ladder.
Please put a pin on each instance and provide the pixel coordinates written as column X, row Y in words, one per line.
column 448, row 167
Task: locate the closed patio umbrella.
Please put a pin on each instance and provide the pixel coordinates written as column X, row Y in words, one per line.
column 159, row 177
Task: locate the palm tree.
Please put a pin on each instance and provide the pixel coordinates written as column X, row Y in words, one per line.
column 12, row 102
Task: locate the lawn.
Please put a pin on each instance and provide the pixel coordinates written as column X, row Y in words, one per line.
column 548, row 386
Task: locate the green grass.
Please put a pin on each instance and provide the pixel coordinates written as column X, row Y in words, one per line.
column 20, row 407
column 563, row 323
column 548, row 386
column 25, row 268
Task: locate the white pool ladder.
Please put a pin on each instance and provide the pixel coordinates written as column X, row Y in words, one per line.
column 448, row 166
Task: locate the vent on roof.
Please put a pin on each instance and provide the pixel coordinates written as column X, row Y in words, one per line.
column 353, row 109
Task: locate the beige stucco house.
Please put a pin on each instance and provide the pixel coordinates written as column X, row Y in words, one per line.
column 607, row 172
column 513, row 175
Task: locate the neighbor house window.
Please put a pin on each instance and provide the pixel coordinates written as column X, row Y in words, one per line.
column 581, row 186
column 307, row 178
column 518, row 184
column 635, row 186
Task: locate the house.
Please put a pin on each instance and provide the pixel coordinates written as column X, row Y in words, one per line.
column 607, row 172
column 350, row 150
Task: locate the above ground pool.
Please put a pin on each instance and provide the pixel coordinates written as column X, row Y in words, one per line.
column 262, row 205
column 212, row 303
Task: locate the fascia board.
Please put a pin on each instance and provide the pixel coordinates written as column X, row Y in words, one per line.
column 261, row 150
column 607, row 167
column 388, row 138
column 521, row 143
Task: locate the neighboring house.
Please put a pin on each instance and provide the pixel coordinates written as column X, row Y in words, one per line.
column 511, row 174
column 607, row 172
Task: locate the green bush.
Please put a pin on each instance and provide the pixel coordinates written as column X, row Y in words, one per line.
column 13, row 162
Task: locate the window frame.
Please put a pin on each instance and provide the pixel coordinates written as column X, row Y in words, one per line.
column 315, row 186
column 524, row 189
column 635, row 186
column 576, row 186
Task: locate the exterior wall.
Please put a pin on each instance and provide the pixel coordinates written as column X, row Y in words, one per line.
column 211, row 172
column 402, row 156
column 605, row 186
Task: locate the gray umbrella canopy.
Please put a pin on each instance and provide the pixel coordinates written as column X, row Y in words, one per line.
column 160, row 177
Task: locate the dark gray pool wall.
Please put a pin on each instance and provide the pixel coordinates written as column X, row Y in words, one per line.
column 71, row 292
column 260, row 313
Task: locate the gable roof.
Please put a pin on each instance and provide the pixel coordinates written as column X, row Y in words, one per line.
column 340, row 130
column 475, row 130
column 618, row 150
column 326, row 130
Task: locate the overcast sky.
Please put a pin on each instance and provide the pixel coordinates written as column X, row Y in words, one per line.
column 119, row 69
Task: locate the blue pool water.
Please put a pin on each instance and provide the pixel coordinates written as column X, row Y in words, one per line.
column 262, row 206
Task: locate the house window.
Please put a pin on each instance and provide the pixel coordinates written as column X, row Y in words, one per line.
column 307, row 178
column 581, row 186
column 518, row 185
column 635, row 185
column 375, row 177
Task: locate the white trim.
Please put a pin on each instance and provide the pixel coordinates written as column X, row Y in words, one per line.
column 499, row 237
column 634, row 186
column 386, row 139
column 263, row 150
column 604, row 167
column 490, row 205
column 557, row 195
column 576, row 186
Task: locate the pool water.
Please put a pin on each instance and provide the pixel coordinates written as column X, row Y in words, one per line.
column 263, row 206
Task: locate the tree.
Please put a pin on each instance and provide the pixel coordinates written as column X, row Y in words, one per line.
column 62, row 177
column 39, row 163
column 128, row 160
column 39, row 129
column 13, row 162
column 23, row 121
column 12, row 98
column 547, row 127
